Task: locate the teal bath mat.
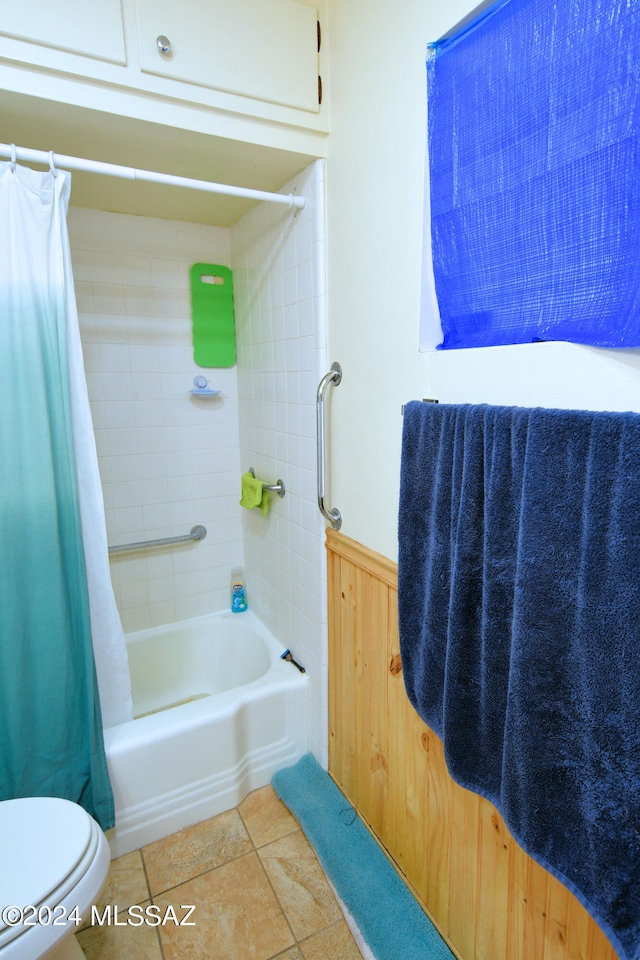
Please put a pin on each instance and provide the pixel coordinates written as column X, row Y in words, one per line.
column 389, row 918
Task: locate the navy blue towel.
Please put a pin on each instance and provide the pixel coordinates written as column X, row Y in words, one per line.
column 519, row 607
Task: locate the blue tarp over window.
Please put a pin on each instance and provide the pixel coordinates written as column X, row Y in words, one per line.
column 534, row 153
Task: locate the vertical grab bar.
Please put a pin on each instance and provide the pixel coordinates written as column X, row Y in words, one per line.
column 334, row 376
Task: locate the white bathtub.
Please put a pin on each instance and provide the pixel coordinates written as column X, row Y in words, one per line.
column 217, row 713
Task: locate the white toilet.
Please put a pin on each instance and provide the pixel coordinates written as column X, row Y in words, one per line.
column 53, row 858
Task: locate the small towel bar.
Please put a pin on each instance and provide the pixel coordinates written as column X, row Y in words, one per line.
column 277, row 487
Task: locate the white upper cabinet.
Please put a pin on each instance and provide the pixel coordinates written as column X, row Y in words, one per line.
column 93, row 28
column 263, row 49
column 245, row 70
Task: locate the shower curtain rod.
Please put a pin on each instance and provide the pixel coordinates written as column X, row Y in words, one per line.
column 54, row 160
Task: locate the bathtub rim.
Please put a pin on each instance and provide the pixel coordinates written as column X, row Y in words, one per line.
column 145, row 817
column 280, row 676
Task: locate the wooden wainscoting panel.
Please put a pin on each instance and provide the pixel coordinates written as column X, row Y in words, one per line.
column 489, row 900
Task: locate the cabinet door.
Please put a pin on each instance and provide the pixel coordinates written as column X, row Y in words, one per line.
column 264, row 49
column 94, row 28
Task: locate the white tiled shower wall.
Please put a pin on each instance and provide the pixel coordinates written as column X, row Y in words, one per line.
column 168, row 460
column 280, row 326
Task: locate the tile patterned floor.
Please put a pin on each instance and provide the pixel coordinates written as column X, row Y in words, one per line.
column 256, row 884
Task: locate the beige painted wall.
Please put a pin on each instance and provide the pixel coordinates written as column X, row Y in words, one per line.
column 374, row 223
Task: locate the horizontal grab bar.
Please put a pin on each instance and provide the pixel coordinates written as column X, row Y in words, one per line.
column 196, row 533
column 277, row 487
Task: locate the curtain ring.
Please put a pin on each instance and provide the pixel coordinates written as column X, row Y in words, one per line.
column 14, row 157
column 52, row 165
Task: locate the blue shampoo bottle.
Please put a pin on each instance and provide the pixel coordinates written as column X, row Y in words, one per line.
column 238, row 598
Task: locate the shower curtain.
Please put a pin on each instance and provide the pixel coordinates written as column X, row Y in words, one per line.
column 56, row 601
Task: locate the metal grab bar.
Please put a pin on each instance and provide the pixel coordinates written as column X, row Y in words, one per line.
column 196, row 533
column 277, row 487
column 334, row 376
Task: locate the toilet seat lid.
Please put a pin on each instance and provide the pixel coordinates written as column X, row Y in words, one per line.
column 42, row 840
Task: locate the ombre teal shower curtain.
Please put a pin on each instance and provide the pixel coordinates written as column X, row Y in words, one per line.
column 51, row 739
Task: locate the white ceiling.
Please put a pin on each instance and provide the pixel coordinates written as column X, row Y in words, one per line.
column 74, row 131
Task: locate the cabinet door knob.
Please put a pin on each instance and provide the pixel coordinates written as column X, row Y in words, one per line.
column 164, row 44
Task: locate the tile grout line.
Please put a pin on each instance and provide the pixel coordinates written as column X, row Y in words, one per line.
column 273, row 890
column 166, row 890
column 196, row 876
column 299, row 943
column 146, row 878
column 297, row 946
column 255, row 850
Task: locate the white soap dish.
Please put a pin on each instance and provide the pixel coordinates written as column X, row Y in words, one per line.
column 201, row 388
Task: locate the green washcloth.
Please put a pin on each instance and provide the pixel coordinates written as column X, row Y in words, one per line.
column 253, row 494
